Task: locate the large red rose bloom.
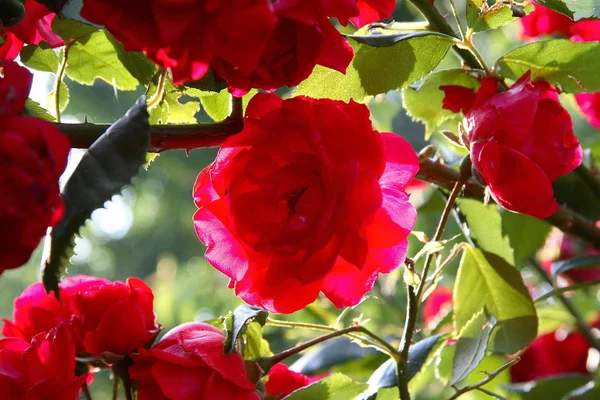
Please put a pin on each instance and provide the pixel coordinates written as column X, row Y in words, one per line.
column 308, row 198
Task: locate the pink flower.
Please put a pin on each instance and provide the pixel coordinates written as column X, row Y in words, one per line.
column 189, row 363
column 308, row 198
column 437, row 305
column 520, row 140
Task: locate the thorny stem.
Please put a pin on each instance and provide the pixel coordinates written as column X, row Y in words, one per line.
column 378, row 342
column 167, row 137
column 579, row 320
column 488, row 379
column 59, row 78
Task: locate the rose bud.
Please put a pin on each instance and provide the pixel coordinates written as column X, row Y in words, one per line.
column 189, row 363
column 520, row 140
column 281, row 381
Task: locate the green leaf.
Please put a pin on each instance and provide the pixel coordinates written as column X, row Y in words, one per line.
column 572, row 65
column 376, row 70
column 589, row 391
column 334, row 387
column 558, row 6
column 134, row 61
column 473, row 9
column 587, row 262
column 525, row 234
column 424, row 104
column 485, row 280
column 40, row 59
column 471, row 345
column 390, row 39
column 388, row 394
column 63, row 98
column 573, row 192
column 484, row 227
column 385, row 375
column 96, row 57
column 208, row 83
column 237, row 321
column 110, row 164
column 171, row 109
column 548, row 388
column 69, row 29
column 254, row 344
column 216, row 104
column 498, row 15
column 34, row 109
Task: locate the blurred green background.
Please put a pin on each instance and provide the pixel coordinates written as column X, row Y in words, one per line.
column 148, row 233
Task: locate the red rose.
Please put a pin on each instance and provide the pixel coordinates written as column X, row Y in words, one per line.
column 262, row 44
column 589, row 103
column 552, row 354
column 41, row 370
column 189, row 363
column 35, row 27
column 521, row 140
column 302, row 38
column 33, row 155
column 307, row 198
column 282, row 381
column 544, row 21
column 116, row 318
column 36, row 311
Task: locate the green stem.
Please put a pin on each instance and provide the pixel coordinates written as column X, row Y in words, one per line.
column 377, row 341
column 490, row 377
column 579, row 320
column 438, row 23
column 267, row 362
column 414, row 296
column 59, row 78
column 457, row 18
column 158, row 95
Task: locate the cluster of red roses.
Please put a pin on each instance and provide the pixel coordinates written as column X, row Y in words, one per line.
column 261, row 44
column 49, row 343
column 544, row 21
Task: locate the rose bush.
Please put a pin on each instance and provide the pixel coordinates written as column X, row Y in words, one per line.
column 33, row 29
column 520, row 141
column 41, row 370
column 560, row 246
column 33, row 155
column 544, row 21
column 189, row 363
column 307, row 198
